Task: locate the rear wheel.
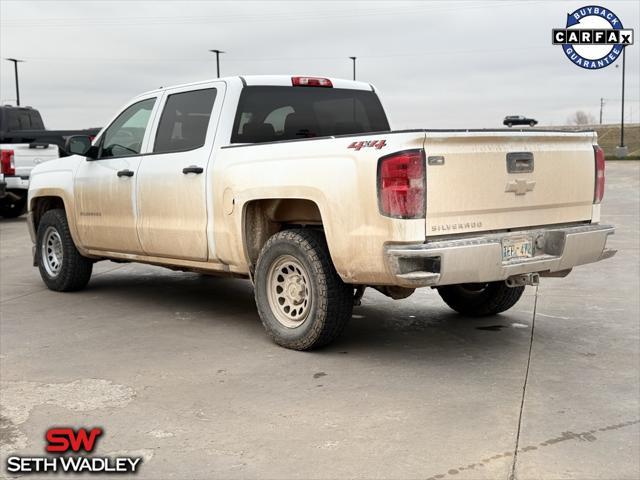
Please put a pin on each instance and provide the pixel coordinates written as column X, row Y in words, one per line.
column 62, row 268
column 480, row 299
column 302, row 302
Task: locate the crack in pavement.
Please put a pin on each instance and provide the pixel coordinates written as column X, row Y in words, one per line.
column 586, row 436
column 512, row 474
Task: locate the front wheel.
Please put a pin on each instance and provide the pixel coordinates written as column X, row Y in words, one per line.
column 62, row 268
column 302, row 302
column 480, row 299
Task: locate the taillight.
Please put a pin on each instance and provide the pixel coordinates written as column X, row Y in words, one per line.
column 598, row 191
column 402, row 184
column 7, row 162
column 311, row 82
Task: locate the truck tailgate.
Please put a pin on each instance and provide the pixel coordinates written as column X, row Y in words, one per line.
column 27, row 157
column 499, row 180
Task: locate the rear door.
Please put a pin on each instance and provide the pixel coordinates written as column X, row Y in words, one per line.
column 497, row 180
column 172, row 185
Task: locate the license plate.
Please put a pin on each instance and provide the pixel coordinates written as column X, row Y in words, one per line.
column 517, row 247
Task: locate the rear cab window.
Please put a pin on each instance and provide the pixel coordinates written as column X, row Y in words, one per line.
column 273, row 113
column 21, row 119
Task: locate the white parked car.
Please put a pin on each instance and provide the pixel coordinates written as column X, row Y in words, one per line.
column 299, row 184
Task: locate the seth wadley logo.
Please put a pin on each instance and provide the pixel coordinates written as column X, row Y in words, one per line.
column 593, row 37
column 66, row 441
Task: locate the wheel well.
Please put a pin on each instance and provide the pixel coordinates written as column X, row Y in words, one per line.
column 264, row 218
column 40, row 205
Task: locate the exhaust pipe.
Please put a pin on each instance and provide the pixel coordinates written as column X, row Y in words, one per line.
column 523, row 279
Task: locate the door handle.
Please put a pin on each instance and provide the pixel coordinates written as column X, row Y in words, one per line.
column 519, row 162
column 125, row 173
column 192, row 169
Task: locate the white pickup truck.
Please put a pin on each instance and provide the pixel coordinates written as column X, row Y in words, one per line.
column 299, row 184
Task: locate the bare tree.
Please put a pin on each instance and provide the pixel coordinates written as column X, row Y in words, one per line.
column 581, row 118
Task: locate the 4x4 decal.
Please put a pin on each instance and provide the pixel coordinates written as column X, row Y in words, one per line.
column 377, row 144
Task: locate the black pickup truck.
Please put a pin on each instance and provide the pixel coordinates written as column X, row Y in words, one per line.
column 24, row 143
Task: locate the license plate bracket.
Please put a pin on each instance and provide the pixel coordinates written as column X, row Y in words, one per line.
column 517, row 247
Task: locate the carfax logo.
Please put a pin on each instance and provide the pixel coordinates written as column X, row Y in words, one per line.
column 593, row 37
column 68, row 443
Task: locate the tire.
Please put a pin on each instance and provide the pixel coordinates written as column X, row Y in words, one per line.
column 480, row 299
column 532, row 124
column 13, row 209
column 301, row 300
column 61, row 266
column 509, row 125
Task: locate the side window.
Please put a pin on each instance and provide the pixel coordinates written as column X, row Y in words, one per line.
column 25, row 121
column 124, row 136
column 184, row 121
column 14, row 121
column 36, row 120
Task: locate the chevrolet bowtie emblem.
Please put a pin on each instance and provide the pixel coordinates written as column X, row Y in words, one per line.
column 520, row 187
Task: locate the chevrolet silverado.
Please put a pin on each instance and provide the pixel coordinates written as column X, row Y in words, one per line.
column 299, row 184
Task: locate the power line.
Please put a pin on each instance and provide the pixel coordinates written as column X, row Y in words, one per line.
column 148, row 21
column 274, row 59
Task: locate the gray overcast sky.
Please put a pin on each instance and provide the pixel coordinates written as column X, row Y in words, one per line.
column 447, row 64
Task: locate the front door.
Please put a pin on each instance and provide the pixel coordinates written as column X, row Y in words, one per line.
column 105, row 193
column 172, row 185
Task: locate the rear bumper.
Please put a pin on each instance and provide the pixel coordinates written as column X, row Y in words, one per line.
column 479, row 258
column 15, row 182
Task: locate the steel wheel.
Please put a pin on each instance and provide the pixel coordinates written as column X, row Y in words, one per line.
column 288, row 291
column 52, row 252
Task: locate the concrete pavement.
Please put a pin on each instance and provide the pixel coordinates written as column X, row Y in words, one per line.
column 177, row 369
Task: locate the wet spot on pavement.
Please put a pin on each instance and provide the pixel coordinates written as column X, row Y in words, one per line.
column 492, row 328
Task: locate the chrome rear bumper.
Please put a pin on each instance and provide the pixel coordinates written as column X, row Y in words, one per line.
column 479, row 258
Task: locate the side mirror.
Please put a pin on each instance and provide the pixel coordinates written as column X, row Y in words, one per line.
column 79, row 145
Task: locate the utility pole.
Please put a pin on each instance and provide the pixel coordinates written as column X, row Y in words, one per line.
column 217, row 52
column 15, row 69
column 621, row 150
column 601, row 105
column 622, row 113
column 353, row 59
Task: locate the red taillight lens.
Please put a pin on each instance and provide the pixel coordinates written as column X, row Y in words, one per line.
column 598, row 191
column 311, row 82
column 401, row 184
column 7, row 162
